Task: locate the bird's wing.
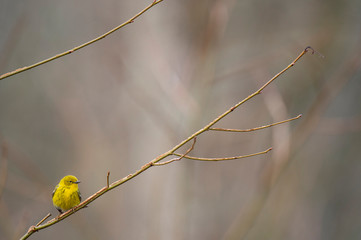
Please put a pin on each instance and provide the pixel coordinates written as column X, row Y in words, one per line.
column 79, row 195
column 52, row 195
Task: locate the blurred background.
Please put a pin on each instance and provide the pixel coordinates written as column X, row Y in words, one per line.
column 117, row 104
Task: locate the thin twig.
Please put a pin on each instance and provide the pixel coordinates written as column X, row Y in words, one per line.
column 224, row 158
column 42, row 220
column 257, row 128
column 178, row 158
column 108, row 179
column 131, row 20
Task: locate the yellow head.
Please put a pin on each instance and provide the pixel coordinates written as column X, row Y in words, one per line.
column 69, row 181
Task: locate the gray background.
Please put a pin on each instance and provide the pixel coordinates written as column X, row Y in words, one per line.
column 120, row 102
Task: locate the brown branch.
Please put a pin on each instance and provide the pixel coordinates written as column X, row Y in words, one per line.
column 131, row 20
column 108, row 179
column 166, row 154
column 224, row 158
column 257, row 128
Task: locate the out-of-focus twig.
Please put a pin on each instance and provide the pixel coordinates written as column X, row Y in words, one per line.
column 12, row 41
column 327, row 93
column 131, row 20
column 4, row 166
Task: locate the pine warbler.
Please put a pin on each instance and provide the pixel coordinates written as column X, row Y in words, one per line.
column 66, row 194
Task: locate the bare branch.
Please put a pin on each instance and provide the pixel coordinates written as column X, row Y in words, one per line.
column 131, row 20
column 224, row 158
column 257, row 128
column 166, row 154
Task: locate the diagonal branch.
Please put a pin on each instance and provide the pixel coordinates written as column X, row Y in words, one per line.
column 131, row 20
column 167, row 154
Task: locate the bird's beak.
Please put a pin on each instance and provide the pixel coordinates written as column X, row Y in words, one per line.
column 77, row 182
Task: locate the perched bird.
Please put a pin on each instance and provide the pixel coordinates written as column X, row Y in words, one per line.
column 66, row 194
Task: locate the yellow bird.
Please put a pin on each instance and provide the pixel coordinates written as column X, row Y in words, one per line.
column 66, row 194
